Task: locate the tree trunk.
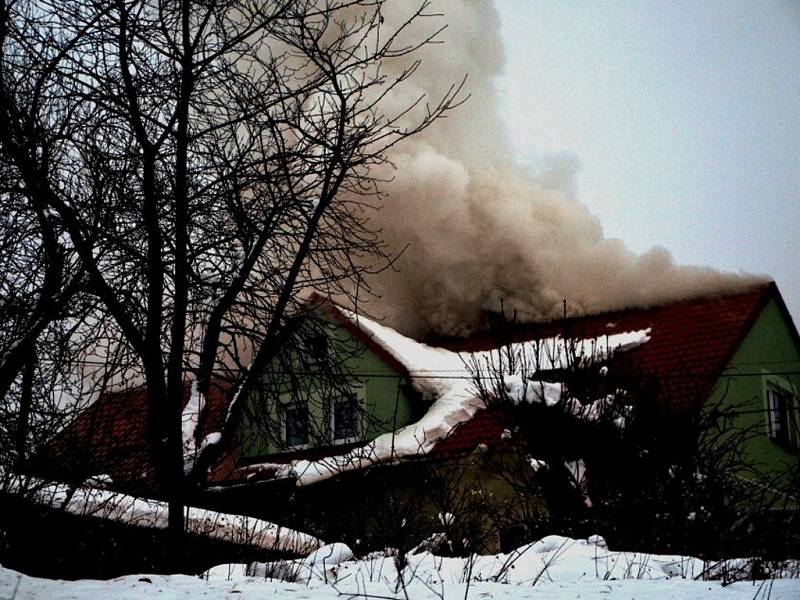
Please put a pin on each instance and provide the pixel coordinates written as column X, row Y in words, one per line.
column 25, row 403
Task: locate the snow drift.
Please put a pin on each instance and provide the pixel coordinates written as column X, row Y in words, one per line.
column 554, row 568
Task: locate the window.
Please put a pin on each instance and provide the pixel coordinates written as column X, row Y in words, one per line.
column 295, row 426
column 779, row 406
column 344, row 416
column 318, row 347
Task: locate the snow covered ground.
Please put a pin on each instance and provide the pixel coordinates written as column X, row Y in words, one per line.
column 554, row 568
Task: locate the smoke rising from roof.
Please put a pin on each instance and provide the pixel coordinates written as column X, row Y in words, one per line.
column 482, row 229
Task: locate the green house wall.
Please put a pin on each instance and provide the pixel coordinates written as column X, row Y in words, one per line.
column 767, row 356
column 385, row 401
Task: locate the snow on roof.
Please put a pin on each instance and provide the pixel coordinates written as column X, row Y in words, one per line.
column 189, row 420
column 432, row 370
column 436, row 370
column 446, row 378
column 456, row 405
column 696, row 337
column 141, row 512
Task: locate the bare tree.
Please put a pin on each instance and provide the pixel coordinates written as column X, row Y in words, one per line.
column 216, row 159
column 41, row 278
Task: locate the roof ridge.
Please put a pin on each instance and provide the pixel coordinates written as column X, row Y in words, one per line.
column 762, row 290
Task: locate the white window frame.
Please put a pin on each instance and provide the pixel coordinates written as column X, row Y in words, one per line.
column 286, row 407
column 782, row 386
column 358, row 400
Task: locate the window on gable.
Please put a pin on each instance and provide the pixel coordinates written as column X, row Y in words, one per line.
column 318, row 347
column 295, row 426
column 345, row 412
column 779, row 406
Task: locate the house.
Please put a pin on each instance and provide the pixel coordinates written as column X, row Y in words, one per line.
column 741, row 349
column 730, row 363
column 738, row 351
column 347, row 395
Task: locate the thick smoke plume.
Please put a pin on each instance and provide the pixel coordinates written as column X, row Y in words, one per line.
column 481, row 229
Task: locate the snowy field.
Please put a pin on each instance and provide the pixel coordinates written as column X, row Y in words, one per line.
column 553, row 568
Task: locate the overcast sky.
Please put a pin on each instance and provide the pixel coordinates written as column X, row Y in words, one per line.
column 685, row 117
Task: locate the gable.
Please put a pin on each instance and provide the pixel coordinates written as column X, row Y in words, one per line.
column 767, row 357
column 770, row 345
column 363, row 371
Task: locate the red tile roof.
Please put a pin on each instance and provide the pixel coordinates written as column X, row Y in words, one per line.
column 486, row 427
column 690, row 344
column 110, row 437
